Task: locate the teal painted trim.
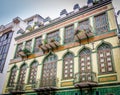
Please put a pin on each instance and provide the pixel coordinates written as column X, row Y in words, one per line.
column 33, row 45
column 15, row 51
column 107, row 21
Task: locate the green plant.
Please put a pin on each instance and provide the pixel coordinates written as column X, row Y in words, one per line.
column 45, row 41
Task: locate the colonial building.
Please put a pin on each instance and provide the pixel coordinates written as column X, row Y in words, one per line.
column 6, row 35
column 75, row 54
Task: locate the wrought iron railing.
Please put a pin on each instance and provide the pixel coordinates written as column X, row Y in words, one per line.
column 48, row 83
column 85, row 77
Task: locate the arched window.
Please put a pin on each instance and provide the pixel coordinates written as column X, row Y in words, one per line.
column 68, row 66
column 49, row 70
column 22, row 74
column 12, row 76
column 104, row 59
column 33, row 72
column 85, row 67
column 85, row 60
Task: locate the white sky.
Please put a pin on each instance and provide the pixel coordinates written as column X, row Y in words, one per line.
column 10, row 9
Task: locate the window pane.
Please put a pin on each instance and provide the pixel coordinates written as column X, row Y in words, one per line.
column 101, row 25
column 53, row 35
column 68, row 66
column 105, row 59
column 69, row 34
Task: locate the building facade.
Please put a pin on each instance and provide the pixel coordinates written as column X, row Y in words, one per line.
column 6, row 35
column 75, row 54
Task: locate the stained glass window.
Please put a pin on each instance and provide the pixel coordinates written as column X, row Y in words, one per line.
column 53, row 35
column 19, row 47
column 12, row 77
column 68, row 66
column 28, row 44
column 33, row 72
column 84, row 25
column 38, row 41
column 69, row 34
column 105, row 59
column 101, row 23
column 49, row 70
column 85, row 64
column 22, row 74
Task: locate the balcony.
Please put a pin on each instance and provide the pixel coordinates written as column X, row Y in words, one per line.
column 83, row 34
column 17, row 89
column 49, row 45
column 46, row 85
column 24, row 52
column 85, row 79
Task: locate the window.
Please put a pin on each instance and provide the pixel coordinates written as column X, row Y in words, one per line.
column 101, row 24
column 33, row 72
column 12, row 77
column 53, row 35
column 22, row 74
column 19, row 47
column 37, row 43
column 68, row 66
column 105, row 59
column 85, row 64
column 4, row 47
column 84, row 25
column 28, row 44
column 49, row 70
column 69, row 34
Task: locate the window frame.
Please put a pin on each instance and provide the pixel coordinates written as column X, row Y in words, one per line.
column 107, row 23
column 68, row 66
column 105, row 59
column 66, row 34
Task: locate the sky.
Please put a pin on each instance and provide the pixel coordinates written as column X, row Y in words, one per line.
column 10, row 9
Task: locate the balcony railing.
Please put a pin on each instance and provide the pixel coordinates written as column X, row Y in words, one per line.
column 45, row 85
column 17, row 88
column 83, row 34
column 49, row 45
column 85, row 79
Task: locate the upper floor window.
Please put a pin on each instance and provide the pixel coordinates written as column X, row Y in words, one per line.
column 53, row 35
column 84, row 25
column 105, row 64
column 19, row 47
column 28, row 44
column 33, row 72
column 68, row 66
column 101, row 23
column 37, row 43
column 69, row 34
column 12, row 76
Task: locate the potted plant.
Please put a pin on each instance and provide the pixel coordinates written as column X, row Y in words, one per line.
column 52, row 40
column 45, row 42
